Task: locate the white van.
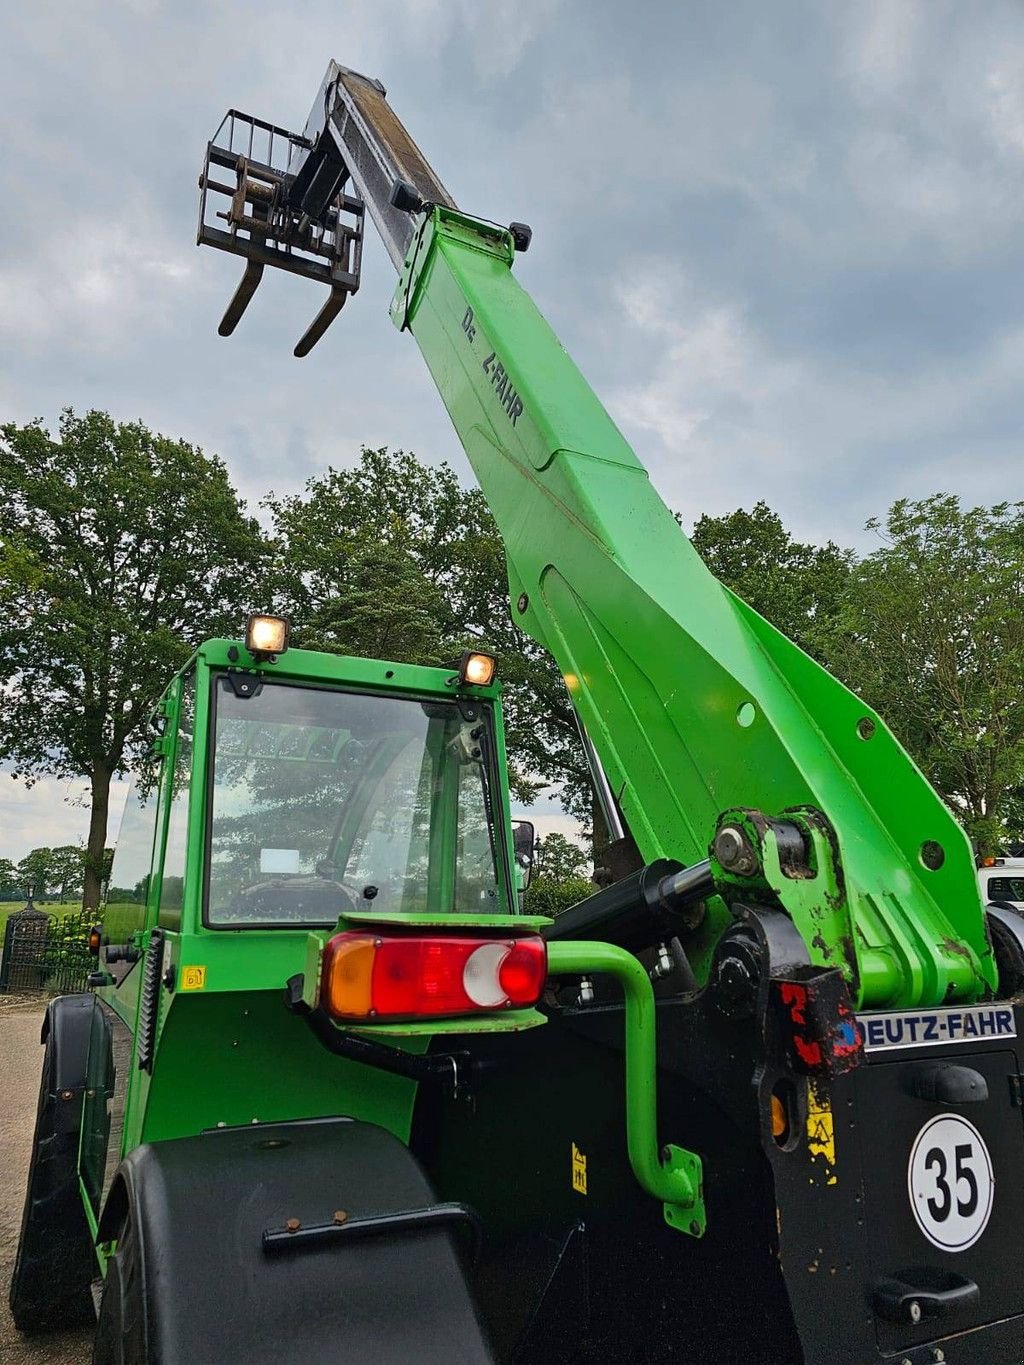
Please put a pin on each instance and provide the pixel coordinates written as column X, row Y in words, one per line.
column 1002, row 879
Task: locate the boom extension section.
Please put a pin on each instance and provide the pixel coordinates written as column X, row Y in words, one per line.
column 717, row 735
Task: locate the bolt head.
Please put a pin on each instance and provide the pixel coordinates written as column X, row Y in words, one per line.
column 733, row 851
column 728, row 845
column 914, row 1308
column 734, row 976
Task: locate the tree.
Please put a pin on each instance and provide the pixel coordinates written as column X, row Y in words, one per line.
column 561, row 859
column 932, row 635
column 798, row 587
column 106, row 867
column 67, row 868
column 120, row 549
column 35, row 872
column 10, row 882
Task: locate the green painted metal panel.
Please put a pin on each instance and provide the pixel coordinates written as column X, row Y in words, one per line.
column 235, row 1058
column 695, row 704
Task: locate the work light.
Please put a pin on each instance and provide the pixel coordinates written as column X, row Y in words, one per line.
column 267, row 634
column 477, row 668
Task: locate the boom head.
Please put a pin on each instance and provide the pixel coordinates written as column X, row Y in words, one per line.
column 296, row 200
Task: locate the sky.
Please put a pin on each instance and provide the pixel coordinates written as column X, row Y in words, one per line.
column 783, row 241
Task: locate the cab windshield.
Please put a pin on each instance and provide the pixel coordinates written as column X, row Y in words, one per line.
column 324, row 802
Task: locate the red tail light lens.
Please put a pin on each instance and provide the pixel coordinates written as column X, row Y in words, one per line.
column 370, row 976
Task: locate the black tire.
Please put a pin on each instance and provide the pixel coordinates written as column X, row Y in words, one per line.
column 1007, row 947
column 55, row 1264
column 121, row 1331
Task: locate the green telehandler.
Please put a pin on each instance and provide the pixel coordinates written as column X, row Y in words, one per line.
column 335, row 1097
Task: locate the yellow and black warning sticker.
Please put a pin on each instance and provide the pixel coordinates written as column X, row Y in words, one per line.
column 579, row 1170
column 193, row 978
column 821, row 1130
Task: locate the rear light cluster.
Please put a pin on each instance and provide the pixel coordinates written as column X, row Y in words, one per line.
column 401, row 976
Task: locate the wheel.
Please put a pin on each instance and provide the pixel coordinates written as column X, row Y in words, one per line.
column 55, row 1264
column 121, row 1331
column 1006, row 930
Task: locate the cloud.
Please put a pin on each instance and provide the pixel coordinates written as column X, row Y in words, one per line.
column 882, row 47
column 737, row 416
column 98, row 282
column 496, row 46
column 49, row 813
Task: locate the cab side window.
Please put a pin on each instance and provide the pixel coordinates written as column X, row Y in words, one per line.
column 128, row 889
column 172, row 880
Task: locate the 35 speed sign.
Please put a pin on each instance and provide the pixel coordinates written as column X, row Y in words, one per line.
column 950, row 1182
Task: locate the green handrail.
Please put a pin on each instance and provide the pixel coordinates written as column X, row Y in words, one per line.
column 671, row 1174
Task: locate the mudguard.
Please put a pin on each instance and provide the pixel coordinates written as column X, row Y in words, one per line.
column 204, row 1219
column 56, row 1261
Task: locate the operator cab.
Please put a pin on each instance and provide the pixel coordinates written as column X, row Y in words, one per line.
column 291, row 789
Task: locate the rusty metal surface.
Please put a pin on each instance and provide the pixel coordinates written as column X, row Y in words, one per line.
column 393, row 139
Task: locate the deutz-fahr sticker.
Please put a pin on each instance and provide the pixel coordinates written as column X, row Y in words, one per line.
column 927, row 1028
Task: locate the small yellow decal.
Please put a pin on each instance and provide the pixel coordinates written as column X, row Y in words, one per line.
column 579, row 1170
column 193, row 978
column 821, row 1132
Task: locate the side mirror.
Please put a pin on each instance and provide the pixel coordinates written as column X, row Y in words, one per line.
column 522, row 848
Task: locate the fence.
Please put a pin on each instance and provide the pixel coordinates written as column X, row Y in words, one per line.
column 43, row 952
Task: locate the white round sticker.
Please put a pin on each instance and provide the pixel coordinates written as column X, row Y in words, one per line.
column 950, row 1182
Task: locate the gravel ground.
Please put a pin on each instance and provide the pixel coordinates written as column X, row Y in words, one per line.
column 21, row 1060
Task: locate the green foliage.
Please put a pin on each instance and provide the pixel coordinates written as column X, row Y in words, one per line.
column 928, row 629
column 10, row 882
column 932, row 635
column 35, row 871
column 67, row 870
column 126, row 895
column 796, row 586
column 120, row 550
column 561, row 859
column 548, row 896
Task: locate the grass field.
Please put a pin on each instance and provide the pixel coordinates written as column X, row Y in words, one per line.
column 120, row 918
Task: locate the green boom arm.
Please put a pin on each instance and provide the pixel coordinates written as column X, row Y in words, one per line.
column 696, row 706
